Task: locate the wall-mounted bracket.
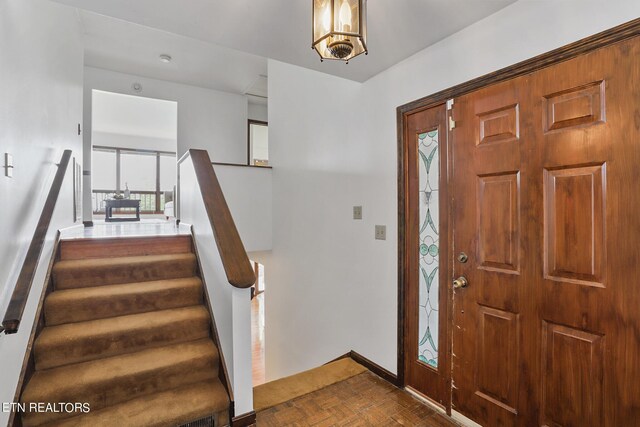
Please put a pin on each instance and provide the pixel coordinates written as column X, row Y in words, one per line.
column 8, row 165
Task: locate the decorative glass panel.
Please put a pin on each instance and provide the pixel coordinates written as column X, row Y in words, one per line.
column 429, row 173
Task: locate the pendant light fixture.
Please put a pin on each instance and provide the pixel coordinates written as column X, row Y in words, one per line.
column 339, row 29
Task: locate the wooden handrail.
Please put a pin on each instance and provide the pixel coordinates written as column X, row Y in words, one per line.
column 234, row 257
column 241, row 165
column 20, row 293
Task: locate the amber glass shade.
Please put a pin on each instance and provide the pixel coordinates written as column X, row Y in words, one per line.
column 339, row 28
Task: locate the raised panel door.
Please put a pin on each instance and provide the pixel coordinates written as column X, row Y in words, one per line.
column 545, row 205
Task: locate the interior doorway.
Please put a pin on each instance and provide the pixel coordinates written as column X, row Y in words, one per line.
column 134, row 146
column 258, row 325
column 258, row 143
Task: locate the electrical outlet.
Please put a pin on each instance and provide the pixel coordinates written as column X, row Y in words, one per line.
column 357, row 212
column 381, row 232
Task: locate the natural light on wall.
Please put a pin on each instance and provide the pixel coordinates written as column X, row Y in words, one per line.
column 339, row 28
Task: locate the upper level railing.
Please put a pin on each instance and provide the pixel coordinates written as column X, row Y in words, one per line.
column 151, row 202
column 232, row 252
column 18, row 300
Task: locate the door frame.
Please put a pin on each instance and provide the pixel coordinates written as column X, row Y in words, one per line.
column 608, row 37
column 445, row 241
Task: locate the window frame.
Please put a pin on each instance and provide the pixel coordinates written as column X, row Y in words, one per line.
column 249, row 153
column 118, row 150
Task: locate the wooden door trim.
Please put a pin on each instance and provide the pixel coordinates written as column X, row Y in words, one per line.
column 405, row 264
column 605, row 38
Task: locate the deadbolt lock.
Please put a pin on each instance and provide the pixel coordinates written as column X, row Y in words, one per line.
column 460, row 282
column 462, row 257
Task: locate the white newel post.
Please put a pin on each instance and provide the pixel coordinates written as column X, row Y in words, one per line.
column 242, row 376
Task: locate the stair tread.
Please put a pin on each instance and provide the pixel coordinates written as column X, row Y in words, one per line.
column 115, row 261
column 109, row 381
column 171, row 407
column 73, row 305
column 132, row 321
column 71, row 335
column 104, row 247
column 60, row 380
column 133, row 288
column 80, row 273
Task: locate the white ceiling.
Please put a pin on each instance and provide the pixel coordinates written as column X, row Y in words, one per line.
column 134, row 115
column 118, row 45
column 218, row 44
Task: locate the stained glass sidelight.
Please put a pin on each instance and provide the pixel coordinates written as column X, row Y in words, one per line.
column 429, row 174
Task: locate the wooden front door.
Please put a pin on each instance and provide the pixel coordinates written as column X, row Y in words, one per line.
column 546, row 207
column 426, row 333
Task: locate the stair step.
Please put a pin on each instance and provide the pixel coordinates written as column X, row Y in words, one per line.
column 123, row 246
column 113, row 380
column 94, row 339
column 169, row 408
column 100, row 302
column 73, row 274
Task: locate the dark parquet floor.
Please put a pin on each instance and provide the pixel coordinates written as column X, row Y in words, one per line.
column 363, row 400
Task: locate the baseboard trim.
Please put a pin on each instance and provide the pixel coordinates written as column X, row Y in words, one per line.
column 426, row 400
column 461, row 419
column 344, row 356
column 375, row 368
column 244, row 420
column 87, row 223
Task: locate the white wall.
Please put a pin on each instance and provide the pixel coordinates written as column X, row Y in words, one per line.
column 248, row 192
column 208, row 119
column 139, row 122
column 40, row 108
column 326, row 270
column 310, row 273
column 231, row 306
column 258, row 112
column 133, row 141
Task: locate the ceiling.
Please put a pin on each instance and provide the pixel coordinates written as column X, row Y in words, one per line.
column 218, row 44
column 118, row 45
column 134, row 115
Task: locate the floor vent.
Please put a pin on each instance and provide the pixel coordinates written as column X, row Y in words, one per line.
column 202, row 422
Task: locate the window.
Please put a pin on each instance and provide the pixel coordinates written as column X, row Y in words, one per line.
column 104, row 169
column 167, row 172
column 138, row 171
column 147, row 173
column 258, row 143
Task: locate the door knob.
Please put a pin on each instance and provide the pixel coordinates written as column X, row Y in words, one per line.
column 460, row 282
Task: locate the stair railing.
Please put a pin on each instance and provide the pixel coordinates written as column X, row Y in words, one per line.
column 234, row 257
column 200, row 203
column 18, row 301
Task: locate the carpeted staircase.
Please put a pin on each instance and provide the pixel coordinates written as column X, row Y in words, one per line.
column 130, row 335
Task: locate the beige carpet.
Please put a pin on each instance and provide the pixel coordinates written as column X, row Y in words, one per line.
column 275, row 392
column 128, row 335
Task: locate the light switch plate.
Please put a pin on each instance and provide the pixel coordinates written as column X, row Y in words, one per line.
column 357, row 212
column 381, row 232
